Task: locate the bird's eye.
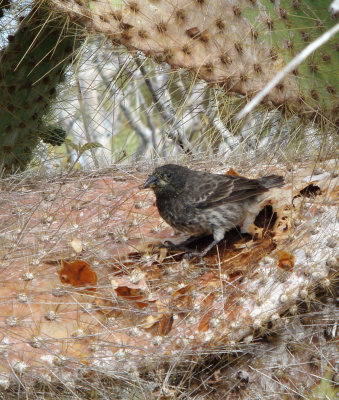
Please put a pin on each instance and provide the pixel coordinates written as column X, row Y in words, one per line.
column 168, row 175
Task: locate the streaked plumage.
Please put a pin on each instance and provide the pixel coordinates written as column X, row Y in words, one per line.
column 201, row 203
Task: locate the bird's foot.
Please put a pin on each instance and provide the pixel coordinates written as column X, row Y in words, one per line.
column 200, row 254
column 166, row 245
column 195, row 254
column 183, row 245
column 191, row 254
column 172, row 246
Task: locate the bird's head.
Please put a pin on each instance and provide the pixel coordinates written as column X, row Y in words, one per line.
column 166, row 179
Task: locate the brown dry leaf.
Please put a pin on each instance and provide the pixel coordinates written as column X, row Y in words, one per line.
column 207, row 277
column 166, row 324
column 183, row 290
column 208, row 300
column 182, row 297
column 162, row 308
column 162, row 315
column 209, row 281
column 78, row 273
column 235, row 312
column 285, row 260
column 232, row 172
column 207, row 304
column 128, row 293
column 106, row 307
column 151, row 320
column 204, row 322
column 132, row 291
column 143, row 304
column 162, row 254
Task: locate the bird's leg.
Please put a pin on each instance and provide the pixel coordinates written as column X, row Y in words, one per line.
column 218, row 236
column 201, row 254
column 208, row 248
column 181, row 246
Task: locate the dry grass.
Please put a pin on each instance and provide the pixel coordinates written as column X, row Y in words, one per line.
column 158, row 326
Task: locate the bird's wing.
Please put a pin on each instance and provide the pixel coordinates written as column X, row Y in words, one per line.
column 221, row 189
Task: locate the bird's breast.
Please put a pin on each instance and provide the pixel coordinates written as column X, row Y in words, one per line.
column 171, row 209
column 181, row 215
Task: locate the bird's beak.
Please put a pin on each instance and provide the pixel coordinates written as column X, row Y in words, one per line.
column 151, row 182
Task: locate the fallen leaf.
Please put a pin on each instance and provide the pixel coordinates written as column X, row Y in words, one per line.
column 207, row 277
column 183, row 290
column 162, row 254
column 182, row 297
column 128, row 293
column 209, row 300
column 143, row 304
column 232, row 172
column 166, row 324
column 78, row 273
column 132, row 291
column 162, row 308
column 285, row 260
column 204, row 322
column 151, row 320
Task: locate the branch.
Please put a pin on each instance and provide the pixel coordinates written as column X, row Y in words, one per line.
column 167, row 113
column 139, row 128
column 143, row 132
column 86, row 118
column 150, row 124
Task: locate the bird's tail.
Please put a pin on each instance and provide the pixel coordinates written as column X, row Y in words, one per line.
column 271, row 181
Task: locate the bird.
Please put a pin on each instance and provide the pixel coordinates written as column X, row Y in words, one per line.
column 200, row 203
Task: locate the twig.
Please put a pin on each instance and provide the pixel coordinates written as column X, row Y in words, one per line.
column 148, row 118
column 144, row 133
column 168, row 116
column 139, row 128
column 288, row 68
column 86, row 121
